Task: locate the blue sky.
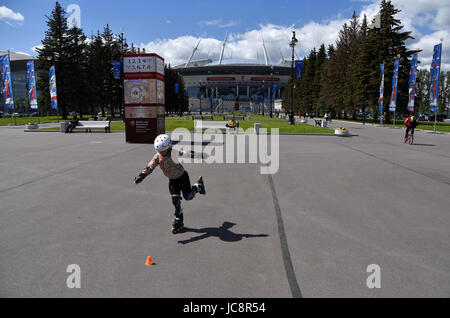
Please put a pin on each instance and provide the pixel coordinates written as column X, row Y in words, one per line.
column 173, row 28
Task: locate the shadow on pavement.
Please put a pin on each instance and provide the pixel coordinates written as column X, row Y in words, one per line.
column 430, row 145
column 221, row 232
column 193, row 143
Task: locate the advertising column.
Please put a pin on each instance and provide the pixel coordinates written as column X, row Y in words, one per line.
column 144, row 97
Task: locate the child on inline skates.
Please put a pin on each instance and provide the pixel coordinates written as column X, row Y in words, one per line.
column 178, row 177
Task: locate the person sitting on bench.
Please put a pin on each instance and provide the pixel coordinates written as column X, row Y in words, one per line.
column 72, row 125
column 232, row 123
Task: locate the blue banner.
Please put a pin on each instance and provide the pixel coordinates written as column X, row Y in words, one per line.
column 298, row 69
column 31, row 82
column 393, row 102
column 117, row 69
column 434, row 77
column 412, row 82
column 380, row 101
column 177, row 88
column 52, row 86
column 7, row 83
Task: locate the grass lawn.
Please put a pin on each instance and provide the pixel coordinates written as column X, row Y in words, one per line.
column 423, row 125
column 45, row 119
column 282, row 125
column 25, row 120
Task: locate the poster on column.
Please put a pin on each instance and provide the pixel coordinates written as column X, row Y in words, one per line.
column 144, row 97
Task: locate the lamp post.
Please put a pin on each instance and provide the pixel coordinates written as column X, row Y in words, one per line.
column 291, row 111
column 123, row 48
column 272, row 95
column 264, row 97
column 200, row 98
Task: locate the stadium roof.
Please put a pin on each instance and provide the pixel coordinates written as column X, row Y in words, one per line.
column 18, row 56
column 221, row 62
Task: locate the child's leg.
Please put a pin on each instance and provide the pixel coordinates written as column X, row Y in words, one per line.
column 175, row 191
column 189, row 191
column 406, row 132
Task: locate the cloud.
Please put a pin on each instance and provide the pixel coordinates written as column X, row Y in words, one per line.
column 219, row 23
column 248, row 45
column 426, row 44
column 428, row 20
column 433, row 14
column 8, row 14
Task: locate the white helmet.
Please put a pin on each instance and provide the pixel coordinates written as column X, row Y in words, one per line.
column 162, row 143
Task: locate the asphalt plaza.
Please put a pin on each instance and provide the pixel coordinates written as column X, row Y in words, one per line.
column 336, row 206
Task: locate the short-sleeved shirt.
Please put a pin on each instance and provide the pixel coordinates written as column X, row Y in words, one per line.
column 171, row 169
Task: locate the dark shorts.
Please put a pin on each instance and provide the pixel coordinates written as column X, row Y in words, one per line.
column 176, row 186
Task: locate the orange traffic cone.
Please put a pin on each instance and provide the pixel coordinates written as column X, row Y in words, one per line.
column 149, row 261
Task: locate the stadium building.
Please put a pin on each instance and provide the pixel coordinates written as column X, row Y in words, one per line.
column 226, row 85
column 18, row 62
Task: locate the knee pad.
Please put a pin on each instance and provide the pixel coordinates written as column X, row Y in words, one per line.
column 176, row 199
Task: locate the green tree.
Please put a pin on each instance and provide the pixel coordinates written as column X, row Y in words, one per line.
column 441, row 107
column 422, row 100
column 95, row 67
column 175, row 102
column 319, row 102
column 108, row 52
column 53, row 52
column 393, row 44
column 77, row 77
column 367, row 70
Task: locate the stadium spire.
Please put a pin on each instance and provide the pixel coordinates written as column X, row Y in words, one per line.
column 265, row 51
column 193, row 52
column 223, row 48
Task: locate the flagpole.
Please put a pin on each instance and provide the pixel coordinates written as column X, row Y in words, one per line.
column 11, row 84
column 437, row 91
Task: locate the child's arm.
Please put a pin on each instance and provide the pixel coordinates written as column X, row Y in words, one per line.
column 147, row 171
column 192, row 154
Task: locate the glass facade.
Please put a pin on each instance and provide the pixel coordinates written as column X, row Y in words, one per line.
column 19, row 86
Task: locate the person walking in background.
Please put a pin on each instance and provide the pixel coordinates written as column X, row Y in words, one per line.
column 411, row 124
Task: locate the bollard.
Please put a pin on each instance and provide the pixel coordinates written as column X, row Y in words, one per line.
column 257, row 128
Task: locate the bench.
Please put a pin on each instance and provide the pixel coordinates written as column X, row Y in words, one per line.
column 218, row 125
column 88, row 125
column 202, row 117
column 235, row 117
column 318, row 122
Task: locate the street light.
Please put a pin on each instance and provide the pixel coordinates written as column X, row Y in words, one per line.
column 291, row 111
column 264, row 97
column 272, row 95
column 200, row 97
column 123, row 49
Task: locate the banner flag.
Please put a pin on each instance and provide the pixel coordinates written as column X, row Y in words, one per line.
column 52, row 85
column 6, row 79
column 412, row 82
column 380, row 101
column 117, row 69
column 298, row 69
column 393, row 103
column 434, row 77
column 177, row 88
column 31, row 82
